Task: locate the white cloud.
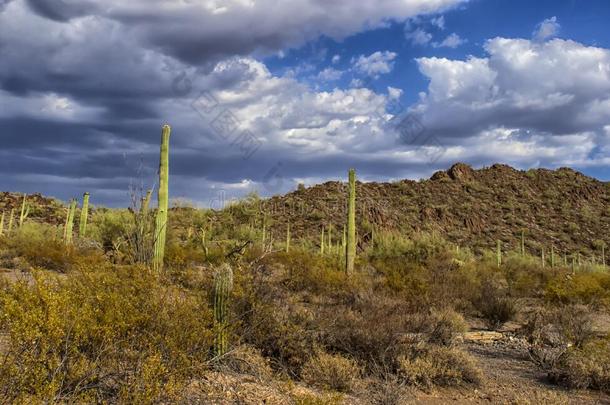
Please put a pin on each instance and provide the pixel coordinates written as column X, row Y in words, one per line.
column 419, row 37
column 438, row 22
column 336, row 59
column 452, row 41
column 549, row 101
column 330, row 74
column 548, row 28
column 375, row 64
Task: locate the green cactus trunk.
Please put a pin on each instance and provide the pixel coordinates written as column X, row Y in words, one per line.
column 70, row 223
column 552, row 256
column 25, row 211
column 288, row 237
column 322, row 241
column 350, row 251
column 2, row 224
column 162, row 201
column 522, row 243
column 499, row 252
column 145, row 203
column 10, row 220
column 603, row 256
column 84, row 214
column 542, row 260
column 330, row 239
column 223, row 284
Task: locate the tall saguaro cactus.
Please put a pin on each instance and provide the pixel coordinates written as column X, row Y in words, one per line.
column 552, row 256
column 288, row 237
column 10, row 220
column 69, row 222
column 350, row 251
column 84, row 213
column 322, row 241
column 223, row 285
column 162, row 200
column 25, row 211
column 522, row 243
column 499, row 252
column 2, row 224
column 542, row 259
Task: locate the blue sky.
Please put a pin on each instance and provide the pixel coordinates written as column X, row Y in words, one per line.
column 395, row 88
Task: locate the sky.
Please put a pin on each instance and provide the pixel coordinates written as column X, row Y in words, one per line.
column 264, row 95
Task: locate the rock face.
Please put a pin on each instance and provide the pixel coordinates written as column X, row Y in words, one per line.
column 461, row 172
column 475, row 208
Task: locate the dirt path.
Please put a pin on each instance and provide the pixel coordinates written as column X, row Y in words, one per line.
column 511, row 378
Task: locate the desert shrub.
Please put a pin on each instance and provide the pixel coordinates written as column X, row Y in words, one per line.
column 495, row 306
column 551, row 331
column 370, row 331
column 245, row 360
column 417, row 249
column 444, row 326
column 434, row 365
column 180, row 256
column 525, row 275
column 330, row 371
column 317, row 274
column 267, row 319
column 104, row 334
column 585, row 367
column 109, row 227
column 41, row 246
column 589, row 288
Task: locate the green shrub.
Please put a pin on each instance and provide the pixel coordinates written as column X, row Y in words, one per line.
column 586, row 367
column 433, row 365
column 102, row 334
column 329, row 371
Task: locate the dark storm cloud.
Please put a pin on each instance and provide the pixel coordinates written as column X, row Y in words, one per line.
column 61, row 10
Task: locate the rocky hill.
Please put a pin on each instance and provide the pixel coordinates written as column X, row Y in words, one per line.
column 472, row 208
column 469, row 207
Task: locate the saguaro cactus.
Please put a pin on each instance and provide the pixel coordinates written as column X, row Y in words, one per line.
column 84, row 213
column 2, row 224
column 288, row 237
column 350, row 251
column 10, row 220
column 162, row 200
column 223, row 285
column 25, row 211
column 522, row 243
column 499, row 252
column 69, row 222
column 552, row 256
column 542, row 260
column 146, row 202
column 322, row 241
